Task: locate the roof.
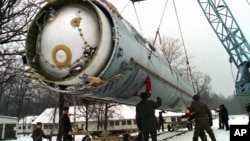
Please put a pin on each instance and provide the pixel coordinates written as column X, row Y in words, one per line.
column 8, row 119
column 27, row 119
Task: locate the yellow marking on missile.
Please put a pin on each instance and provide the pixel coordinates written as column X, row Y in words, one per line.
column 103, row 83
column 61, row 52
column 75, row 22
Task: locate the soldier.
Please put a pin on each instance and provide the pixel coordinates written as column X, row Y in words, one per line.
column 161, row 120
column 190, row 116
column 38, row 133
column 203, row 118
column 221, row 125
column 145, row 116
column 224, row 116
column 66, row 125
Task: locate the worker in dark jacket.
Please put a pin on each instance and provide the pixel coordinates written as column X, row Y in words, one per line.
column 221, row 125
column 203, row 118
column 145, row 116
column 38, row 133
column 66, row 125
column 161, row 120
column 224, row 116
column 189, row 114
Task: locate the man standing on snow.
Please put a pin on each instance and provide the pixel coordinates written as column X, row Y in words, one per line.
column 145, row 116
column 66, row 125
column 38, row 134
column 203, row 118
column 224, row 116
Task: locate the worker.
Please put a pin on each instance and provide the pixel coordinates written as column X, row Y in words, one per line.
column 203, row 118
column 161, row 120
column 38, row 133
column 66, row 125
column 145, row 116
column 221, row 125
column 224, row 116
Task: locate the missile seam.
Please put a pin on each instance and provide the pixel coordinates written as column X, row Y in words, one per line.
column 151, row 71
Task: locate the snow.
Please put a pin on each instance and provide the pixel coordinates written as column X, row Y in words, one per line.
column 221, row 135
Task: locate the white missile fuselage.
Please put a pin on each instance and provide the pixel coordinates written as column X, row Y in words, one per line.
column 87, row 49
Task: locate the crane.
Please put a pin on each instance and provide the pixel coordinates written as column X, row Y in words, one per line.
column 232, row 38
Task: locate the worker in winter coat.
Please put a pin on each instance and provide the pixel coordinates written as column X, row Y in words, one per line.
column 190, row 116
column 145, row 116
column 221, row 125
column 66, row 125
column 161, row 120
column 38, row 133
column 224, row 116
column 203, row 118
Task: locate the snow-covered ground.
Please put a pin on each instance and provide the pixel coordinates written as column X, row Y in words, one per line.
column 221, row 135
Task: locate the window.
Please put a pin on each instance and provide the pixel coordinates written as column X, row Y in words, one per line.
column 179, row 119
column 111, row 123
column 117, row 122
column 173, row 119
column 134, row 121
column 51, row 126
column 124, row 122
column 129, row 122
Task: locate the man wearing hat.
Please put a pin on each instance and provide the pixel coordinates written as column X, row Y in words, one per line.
column 146, row 120
column 203, row 118
column 66, row 125
column 38, row 133
column 224, row 116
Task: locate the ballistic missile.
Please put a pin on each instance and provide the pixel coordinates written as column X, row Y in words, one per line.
column 87, row 49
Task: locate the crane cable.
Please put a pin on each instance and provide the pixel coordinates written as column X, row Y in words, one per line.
column 137, row 18
column 248, row 2
column 157, row 32
column 125, row 6
column 188, row 66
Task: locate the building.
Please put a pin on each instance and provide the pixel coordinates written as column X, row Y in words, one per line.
column 8, row 127
column 25, row 125
column 122, row 119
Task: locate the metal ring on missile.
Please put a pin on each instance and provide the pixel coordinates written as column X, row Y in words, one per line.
column 67, row 52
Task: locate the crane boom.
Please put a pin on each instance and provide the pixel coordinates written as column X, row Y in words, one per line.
column 227, row 29
column 229, row 33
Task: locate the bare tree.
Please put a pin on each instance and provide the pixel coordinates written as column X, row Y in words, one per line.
column 103, row 112
column 173, row 51
column 203, row 86
column 15, row 17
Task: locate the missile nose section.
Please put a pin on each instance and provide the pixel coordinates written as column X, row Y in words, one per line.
column 71, row 41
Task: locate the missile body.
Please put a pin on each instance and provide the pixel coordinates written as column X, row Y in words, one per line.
column 87, row 49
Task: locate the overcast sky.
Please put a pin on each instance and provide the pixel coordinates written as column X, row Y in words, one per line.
column 201, row 42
